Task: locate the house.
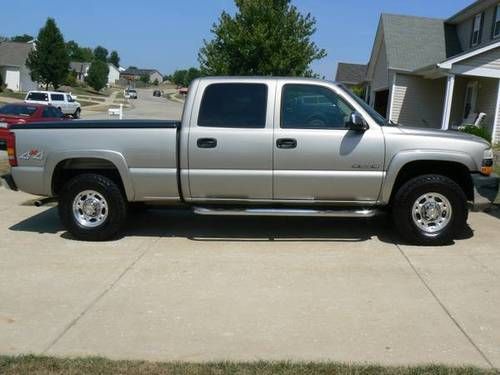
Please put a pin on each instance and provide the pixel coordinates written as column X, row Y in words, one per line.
column 82, row 68
column 134, row 74
column 13, row 69
column 438, row 73
column 351, row 75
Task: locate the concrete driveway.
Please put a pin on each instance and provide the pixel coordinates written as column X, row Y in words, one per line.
column 180, row 287
column 146, row 106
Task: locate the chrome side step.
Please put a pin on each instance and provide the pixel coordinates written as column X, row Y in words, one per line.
column 354, row 213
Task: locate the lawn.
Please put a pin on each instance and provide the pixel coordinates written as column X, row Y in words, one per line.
column 15, row 95
column 50, row 365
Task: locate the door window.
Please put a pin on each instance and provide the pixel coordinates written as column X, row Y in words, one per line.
column 477, row 26
column 234, row 105
column 470, row 99
column 313, row 107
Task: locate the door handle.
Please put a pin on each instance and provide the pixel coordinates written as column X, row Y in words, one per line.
column 207, row 143
column 286, row 143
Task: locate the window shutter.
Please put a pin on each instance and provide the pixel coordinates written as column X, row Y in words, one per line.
column 481, row 27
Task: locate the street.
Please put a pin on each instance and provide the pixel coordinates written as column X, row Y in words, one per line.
column 187, row 288
column 146, row 106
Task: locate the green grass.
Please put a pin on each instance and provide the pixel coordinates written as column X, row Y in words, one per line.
column 87, row 91
column 15, row 95
column 49, row 365
column 85, row 103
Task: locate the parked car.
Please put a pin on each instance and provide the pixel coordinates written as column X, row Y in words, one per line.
column 20, row 113
column 157, row 93
column 131, row 94
column 64, row 101
column 257, row 147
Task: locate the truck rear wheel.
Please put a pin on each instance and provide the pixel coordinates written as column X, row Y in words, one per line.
column 430, row 210
column 92, row 208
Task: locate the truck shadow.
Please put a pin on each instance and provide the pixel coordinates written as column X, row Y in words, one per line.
column 177, row 223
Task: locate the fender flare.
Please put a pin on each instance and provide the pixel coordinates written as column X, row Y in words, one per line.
column 401, row 159
column 115, row 158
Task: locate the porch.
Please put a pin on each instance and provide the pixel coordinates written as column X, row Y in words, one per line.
column 453, row 93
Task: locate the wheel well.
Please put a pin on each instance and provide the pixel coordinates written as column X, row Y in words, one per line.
column 453, row 170
column 69, row 168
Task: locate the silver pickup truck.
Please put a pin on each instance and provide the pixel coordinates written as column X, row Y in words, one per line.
column 257, row 146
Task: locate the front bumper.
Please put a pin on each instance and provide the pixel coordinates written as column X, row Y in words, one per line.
column 485, row 191
column 8, row 182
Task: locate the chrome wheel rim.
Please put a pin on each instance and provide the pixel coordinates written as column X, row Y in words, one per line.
column 90, row 209
column 432, row 212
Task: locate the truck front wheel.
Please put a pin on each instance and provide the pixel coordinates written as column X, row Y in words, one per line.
column 430, row 210
column 92, row 208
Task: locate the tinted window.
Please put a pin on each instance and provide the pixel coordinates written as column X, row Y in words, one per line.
column 57, row 97
column 234, row 105
column 38, row 96
column 51, row 112
column 17, row 110
column 313, row 107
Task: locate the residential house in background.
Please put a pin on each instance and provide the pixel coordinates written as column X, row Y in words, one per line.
column 438, row 73
column 351, row 75
column 134, row 74
column 82, row 69
column 15, row 73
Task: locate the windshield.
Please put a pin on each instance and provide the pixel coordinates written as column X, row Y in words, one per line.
column 17, row 110
column 377, row 117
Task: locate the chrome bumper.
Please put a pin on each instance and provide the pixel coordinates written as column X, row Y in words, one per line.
column 485, row 191
column 8, row 182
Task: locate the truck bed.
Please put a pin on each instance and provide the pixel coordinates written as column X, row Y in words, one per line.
column 143, row 151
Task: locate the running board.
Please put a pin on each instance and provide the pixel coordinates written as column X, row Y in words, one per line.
column 355, row 213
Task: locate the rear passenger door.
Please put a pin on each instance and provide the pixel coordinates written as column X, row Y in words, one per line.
column 58, row 102
column 231, row 141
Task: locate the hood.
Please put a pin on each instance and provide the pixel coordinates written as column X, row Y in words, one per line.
column 446, row 134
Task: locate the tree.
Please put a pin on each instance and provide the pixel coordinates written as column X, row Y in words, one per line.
column 145, row 78
column 114, row 59
column 184, row 77
column 264, row 37
column 49, row 62
column 97, row 77
column 22, row 38
column 77, row 53
column 101, row 53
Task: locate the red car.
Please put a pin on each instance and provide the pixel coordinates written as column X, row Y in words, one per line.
column 21, row 113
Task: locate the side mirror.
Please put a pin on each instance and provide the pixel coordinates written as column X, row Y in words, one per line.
column 357, row 123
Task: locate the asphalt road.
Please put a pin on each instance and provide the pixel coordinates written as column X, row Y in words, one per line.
column 187, row 288
column 146, row 106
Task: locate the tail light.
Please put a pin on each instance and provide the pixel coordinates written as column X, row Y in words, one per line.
column 11, row 149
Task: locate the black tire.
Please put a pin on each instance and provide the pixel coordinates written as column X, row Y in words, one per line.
column 77, row 113
column 116, row 207
column 406, row 197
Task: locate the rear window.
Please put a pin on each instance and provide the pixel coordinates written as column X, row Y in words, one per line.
column 234, row 105
column 17, row 110
column 38, row 96
column 57, row 97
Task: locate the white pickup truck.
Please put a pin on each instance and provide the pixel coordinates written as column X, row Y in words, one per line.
column 257, row 146
column 62, row 100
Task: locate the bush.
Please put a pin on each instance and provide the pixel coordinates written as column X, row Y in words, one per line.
column 477, row 131
column 97, row 77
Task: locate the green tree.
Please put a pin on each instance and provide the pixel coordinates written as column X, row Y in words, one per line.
column 97, row 77
column 145, row 78
column 114, row 59
column 264, row 37
column 179, row 76
column 77, row 53
column 101, row 53
column 49, row 62
column 22, row 38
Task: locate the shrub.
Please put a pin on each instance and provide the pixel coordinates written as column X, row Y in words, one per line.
column 477, row 131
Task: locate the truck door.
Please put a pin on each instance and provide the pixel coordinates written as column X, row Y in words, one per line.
column 230, row 141
column 316, row 159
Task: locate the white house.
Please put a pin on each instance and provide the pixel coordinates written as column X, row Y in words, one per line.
column 13, row 69
column 82, row 69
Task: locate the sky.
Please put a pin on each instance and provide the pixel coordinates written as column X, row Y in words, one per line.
column 167, row 34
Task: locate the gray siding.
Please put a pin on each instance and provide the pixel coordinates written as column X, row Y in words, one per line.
column 380, row 72
column 464, row 29
column 418, row 101
column 489, row 60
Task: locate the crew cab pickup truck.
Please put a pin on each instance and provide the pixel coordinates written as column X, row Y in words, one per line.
column 65, row 102
column 261, row 147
